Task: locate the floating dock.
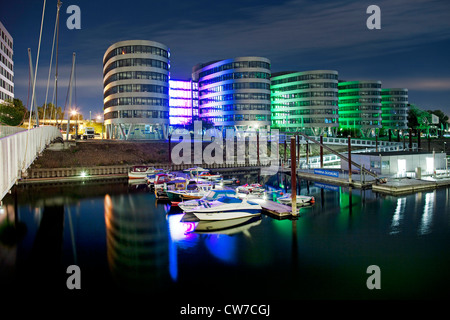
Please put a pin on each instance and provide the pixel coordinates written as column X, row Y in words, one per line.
column 405, row 186
column 276, row 209
column 336, row 181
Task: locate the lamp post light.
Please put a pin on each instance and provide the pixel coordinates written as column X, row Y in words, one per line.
column 75, row 113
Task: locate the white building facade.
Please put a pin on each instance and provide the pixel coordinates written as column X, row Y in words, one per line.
column 136, row 90
column 6, row 65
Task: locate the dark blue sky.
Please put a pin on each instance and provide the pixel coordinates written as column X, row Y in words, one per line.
column 411, row 50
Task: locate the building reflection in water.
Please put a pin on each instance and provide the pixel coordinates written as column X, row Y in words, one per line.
column 137, row 243
column 427, row 215
column 398, row 216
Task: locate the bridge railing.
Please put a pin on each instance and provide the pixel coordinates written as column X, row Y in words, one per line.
column 7, row 130
column 19, row 150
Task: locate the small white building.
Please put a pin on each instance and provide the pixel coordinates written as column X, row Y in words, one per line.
column 399, row 162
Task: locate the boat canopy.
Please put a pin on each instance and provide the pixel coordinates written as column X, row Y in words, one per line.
column 215, row 194
column 141, row 168
column 227, row 199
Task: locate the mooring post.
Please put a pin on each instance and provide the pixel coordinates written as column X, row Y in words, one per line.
column 363, row 178
column 321, row 152
column 170, row 148
column 418, row 140
column 410, row 139
column 376, row 143
column 257, row 149
column 307, row 154
column 298, row 150
column 293, row 178
column 349, row 160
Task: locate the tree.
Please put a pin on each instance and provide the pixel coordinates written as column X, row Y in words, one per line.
column 413, row 123
column 12, row 113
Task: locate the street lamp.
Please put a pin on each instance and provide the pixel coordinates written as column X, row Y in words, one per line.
column 75, row 113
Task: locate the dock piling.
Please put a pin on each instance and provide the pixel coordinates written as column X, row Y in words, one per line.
column 349, row 159
column 321, row 152
column 293, row 178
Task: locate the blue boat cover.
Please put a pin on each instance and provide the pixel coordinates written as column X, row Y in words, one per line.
column 226, row 199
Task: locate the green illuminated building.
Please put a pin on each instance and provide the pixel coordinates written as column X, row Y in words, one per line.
column 305, row 102
column 360, row 107
column 394, row 109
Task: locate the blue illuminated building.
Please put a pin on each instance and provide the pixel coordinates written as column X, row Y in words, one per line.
column 234, row 93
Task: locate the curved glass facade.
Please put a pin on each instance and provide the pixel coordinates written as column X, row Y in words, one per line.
column 136, row 90
column 234, row 93
column 360, row 106
column 305, row 101
column 394, row 108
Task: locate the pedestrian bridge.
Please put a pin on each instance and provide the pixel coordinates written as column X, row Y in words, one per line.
column 19, row 147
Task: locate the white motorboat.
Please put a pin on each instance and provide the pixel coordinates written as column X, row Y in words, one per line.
column 252, row 191
column 226, row 208
column 301, row 200
column 207, row 175
column 247, row 188
column 195, row 169
column 140, row 172
column 212, row 195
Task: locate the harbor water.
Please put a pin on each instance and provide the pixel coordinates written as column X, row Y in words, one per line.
column 125, row 242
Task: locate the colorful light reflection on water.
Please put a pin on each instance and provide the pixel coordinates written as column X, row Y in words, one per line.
column 124, row 239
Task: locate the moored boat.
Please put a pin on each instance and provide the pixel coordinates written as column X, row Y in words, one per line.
column 140, row 172
column 171, row 187
column 226, row 208
column 212, row 195
column 195, row 169
column 300, row 199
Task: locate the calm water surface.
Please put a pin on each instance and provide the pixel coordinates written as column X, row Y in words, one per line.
column 125, row 242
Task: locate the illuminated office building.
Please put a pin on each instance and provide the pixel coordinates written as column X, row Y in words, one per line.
column 234, row 93
column 136, row 90
column 394, row 109
column 305, row 102
column 360, row 107
column 183, row 102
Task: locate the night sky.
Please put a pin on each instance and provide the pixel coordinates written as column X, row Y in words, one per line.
column 411, row 50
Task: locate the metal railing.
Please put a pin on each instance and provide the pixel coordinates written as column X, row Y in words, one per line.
column 19, row 150
column 7, row 130
column 382, row 145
